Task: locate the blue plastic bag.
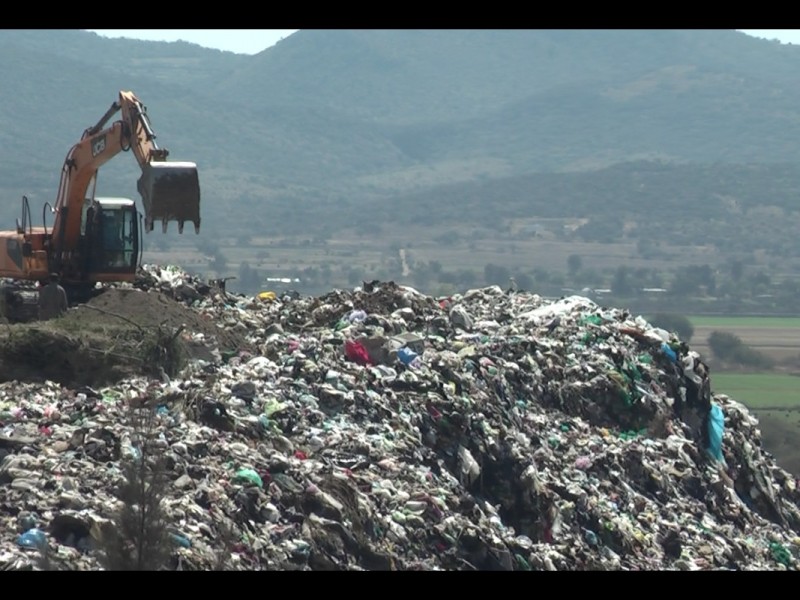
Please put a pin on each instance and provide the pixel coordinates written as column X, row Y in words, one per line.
column 406, row 356
column 33, row 538
column 716, row 428
column 666, row 349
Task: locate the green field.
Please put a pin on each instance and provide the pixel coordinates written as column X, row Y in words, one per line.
column 777, row 338
column 772, row 397
column 761, row 322
column 759, row 390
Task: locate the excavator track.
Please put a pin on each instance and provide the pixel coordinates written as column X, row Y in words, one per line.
column 19, row 301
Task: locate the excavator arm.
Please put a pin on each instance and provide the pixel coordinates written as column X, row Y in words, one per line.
column 170, row 190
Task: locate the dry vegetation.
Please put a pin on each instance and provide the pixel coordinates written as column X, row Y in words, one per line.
column 121, row 333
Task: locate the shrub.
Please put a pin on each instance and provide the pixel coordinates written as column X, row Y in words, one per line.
column 138, row 539
column 724, row 345
column 730, row 348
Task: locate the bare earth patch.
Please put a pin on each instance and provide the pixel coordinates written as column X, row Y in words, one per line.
column 120, row 333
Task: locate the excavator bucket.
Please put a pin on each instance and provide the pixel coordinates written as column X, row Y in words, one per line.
column 170, row 192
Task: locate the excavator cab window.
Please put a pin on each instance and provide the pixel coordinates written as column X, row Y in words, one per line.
column 116, row 238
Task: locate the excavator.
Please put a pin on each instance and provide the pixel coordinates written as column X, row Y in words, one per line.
column 95, row 240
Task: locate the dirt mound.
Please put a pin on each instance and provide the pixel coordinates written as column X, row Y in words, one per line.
column 120, row 333
column 149, row 309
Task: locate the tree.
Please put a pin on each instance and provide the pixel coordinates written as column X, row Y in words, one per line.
column 621, row 284
column 692, row 279
column 574, row 264
column 421, row 276
column 206, row 246
column 161, row 243
column 759, row 282
column 466, row 278
column 448, row 238
column 220, row 262
column 647, row 248
column 249, row 278
column 138, row 539
column 724, row 344
column 541, row 275
column 729, row 348
column 674, row 323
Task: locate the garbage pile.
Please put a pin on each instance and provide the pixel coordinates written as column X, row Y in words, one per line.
column 383, row 429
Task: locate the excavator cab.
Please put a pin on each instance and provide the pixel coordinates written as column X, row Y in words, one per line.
column 170, row 192
column 113, row 235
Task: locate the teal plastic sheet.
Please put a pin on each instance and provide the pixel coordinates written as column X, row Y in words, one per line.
column 716, row 428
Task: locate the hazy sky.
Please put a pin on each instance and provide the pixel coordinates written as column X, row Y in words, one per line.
column 252, row 41
column 241, row 41
column 787, row 36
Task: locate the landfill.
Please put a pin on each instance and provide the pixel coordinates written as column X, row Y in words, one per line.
column 380, row 428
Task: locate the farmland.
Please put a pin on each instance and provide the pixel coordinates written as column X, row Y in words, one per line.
column 777, row 337
column 773, row 397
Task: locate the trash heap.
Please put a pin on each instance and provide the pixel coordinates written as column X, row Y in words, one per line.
column 383, row 429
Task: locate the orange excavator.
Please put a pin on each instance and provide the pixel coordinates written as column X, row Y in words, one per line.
column 95, row 240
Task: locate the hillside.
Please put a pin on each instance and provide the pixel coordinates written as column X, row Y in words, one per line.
column 327, row 114
column 383, row 429
column 480, row 154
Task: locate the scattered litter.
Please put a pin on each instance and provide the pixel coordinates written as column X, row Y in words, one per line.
column 381, row 429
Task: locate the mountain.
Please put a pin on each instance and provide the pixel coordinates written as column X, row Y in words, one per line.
column 326, row 130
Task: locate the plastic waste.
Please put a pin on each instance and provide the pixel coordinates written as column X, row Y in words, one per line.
column 406, row 356
column 511, row 418
column 357, row 316
column 180, row 540
column 27, row 522
column 665, row 348
column 780, row 553
column 249, row 476
column 273, row 407
column 132, row 452
column 33, row 538
column 356, row 352
column 716, row 428
column 264, row 421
